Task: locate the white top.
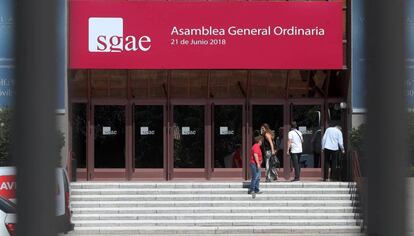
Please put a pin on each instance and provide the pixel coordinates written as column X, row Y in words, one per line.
column 332, row 139
column 295, row 137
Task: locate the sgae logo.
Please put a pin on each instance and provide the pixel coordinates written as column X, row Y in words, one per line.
column 106, row 34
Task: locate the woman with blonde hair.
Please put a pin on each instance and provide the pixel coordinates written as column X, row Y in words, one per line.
column 269, row 150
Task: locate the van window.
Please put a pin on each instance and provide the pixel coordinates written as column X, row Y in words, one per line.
column 7, row 206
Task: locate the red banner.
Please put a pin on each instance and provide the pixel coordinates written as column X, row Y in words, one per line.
column 205, row 35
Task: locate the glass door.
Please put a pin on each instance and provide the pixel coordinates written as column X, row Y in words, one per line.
column 149, row 150
column 188, row 142
column 309, row 121
column 109, row 141
column 273, row 116
column 227, row 145
column 79, row 137
column 337, row 116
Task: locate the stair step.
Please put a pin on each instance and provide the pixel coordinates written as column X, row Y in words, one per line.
column 214, row 185
column 191, row 208
column 218, row 222
column 218, row 191
column 223, row 216
column 164, row 230
column 320, row 203
column 186, row 197
column 246, row 234
column 225, row 209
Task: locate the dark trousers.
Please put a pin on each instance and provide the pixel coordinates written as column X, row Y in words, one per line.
column 331, row 161
column 295, row 157
column 316, row 160
column 279, row 155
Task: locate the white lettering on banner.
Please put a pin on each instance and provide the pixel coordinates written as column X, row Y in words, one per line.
column 106, row 34
column 6, row 82
column 296, row 31
column 8, row 186
column 203, row 31
column 410, row 85
column 6, row 93
column 253, row 31
column 233, row 30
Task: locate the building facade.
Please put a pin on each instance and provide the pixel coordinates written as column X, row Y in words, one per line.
column 171, row 118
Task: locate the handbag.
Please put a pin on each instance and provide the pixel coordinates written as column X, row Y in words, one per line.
column 274, row 161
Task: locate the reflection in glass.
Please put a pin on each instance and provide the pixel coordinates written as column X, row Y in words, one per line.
column 79, row 134
column 273, row 116
column 334, row 113
column 109, row 136
column 308, row 119
column 188, row 132
column 149, row 136
column 228, row 136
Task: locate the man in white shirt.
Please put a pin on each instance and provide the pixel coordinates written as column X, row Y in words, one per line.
column 332, row 145
column 295, row 140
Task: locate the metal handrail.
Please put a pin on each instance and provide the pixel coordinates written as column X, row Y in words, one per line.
column 358, row 189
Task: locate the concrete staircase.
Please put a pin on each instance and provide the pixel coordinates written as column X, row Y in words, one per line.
column 133, row 208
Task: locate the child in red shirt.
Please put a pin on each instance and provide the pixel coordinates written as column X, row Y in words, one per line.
column 256, row 159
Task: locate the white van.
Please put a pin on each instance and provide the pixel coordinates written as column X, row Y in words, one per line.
column 7, row 217
column 63, row 212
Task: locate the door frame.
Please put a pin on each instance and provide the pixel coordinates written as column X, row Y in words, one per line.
column 231, row 172
column 150, row 173
column 81, row 173
column 311, row 172
column 109, row 173
column 189, row 173
column 345, row 123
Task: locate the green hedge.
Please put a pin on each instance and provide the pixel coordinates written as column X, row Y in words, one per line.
column 5, row 138
column 357, row 141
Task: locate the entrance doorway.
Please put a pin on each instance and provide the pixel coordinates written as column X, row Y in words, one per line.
column 309, row 119
column 149, row 151
column 227, row 140
column 271, row 114
column 188, row 141
column 109, row 150
column 166, row 124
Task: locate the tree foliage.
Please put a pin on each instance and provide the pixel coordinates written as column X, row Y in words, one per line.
column 5, row 136
column 6, row 159
column 357, row 139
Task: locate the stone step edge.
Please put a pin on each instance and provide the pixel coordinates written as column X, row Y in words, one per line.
column 207, row 190
column 215, row 185
column 209, row 183
column 223, row 214
column 219, row 220
column 216, row 227
column 265, row 193
column 229, row 229
column 216, row 201
column 223, row 208
column 227, row 234
column 232, row 210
